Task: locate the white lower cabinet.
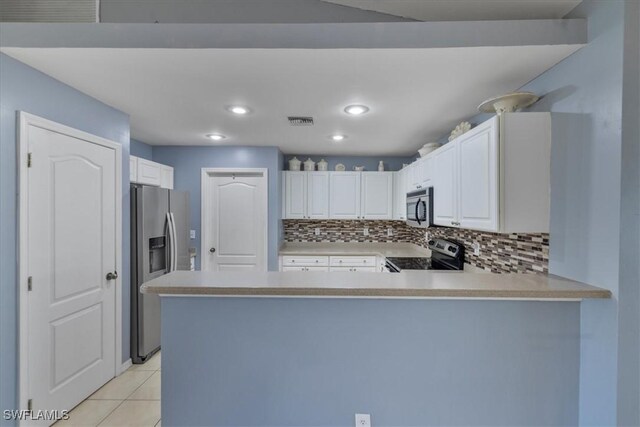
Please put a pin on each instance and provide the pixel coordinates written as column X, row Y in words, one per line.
column 354, row 269
column 303, row 268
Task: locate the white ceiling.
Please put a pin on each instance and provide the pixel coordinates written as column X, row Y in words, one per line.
column 466, row 10
column 176, row 96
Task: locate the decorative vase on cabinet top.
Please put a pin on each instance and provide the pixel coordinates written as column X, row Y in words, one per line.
column 323, row 166
column 309, row 165
column 294, row 164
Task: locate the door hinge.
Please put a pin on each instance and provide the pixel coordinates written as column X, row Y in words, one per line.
column 28, row 160
column 30, row 404
column 30, row 283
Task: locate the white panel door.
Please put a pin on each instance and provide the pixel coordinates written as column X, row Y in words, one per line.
column 344, row 195
column 236, row 222
column 72, row 196
column 478, row 175
column 445, row 185
column 296, row 195
column 377, row 195
column 317, row 195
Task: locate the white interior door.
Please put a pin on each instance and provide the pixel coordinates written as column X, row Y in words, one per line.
column 235, row 221
column 72, row 237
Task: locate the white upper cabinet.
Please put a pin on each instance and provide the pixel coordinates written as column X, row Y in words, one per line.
column 496, row 177
column 478, row 176
column 419, row 174
column 317, row 195
column 344, row 195
column 377, row 195
column 445, row 183
column 148, row 172
column 143, row 171
column 400, row 194
column 296, row 198
column 166, row 177
column 133, row 168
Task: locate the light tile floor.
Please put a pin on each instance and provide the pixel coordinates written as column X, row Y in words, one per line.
column 131, row 399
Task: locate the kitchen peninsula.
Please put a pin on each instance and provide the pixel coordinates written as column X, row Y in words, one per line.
column 445, row 347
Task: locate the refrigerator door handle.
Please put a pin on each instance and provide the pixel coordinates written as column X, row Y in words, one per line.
column 174, row 243
column 169, row 244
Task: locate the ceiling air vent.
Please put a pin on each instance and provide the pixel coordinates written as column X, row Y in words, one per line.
column 300, row 121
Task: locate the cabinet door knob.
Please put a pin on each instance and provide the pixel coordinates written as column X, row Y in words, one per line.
column 212, row 250
column 112, row 276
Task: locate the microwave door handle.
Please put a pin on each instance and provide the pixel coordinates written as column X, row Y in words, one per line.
column 417, row 213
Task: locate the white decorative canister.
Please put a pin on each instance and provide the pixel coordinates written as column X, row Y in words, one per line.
column 323, row 166
column 294, row 164
column 309, row 165
column 381, row 166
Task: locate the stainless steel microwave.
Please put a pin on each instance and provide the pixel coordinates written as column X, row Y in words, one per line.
column 420, row 208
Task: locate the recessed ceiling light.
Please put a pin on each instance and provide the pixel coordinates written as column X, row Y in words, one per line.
column 238, row 109
column 338, row 137
column 216, row 136
column 356, row 110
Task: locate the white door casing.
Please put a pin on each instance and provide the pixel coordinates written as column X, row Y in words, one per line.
column 69, row 240
column 234, row 219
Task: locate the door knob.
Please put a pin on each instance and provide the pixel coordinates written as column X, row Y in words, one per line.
column 112, row 276
column 212, row 250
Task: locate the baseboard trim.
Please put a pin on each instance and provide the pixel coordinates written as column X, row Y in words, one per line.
column 126, row 365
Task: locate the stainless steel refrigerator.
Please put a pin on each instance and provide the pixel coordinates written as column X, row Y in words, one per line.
column 159, row 245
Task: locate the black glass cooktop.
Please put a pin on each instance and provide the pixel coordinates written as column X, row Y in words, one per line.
column 411, row 263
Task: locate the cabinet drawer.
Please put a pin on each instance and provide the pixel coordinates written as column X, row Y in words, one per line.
column 303, row 268
column 353, row 261
column 308, row 261
column 354, row 269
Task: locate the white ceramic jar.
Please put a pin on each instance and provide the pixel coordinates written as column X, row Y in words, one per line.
column 309, row 165
column 323, row 166
column 294, row 164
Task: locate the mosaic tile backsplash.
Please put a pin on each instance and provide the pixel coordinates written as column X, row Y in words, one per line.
column 499, row 253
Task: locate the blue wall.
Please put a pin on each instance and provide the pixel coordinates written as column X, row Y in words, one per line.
column 26, row 89
column 585, row 90
column 188, row 162
column 391, row 163
column 317, row 361
column 140, row 149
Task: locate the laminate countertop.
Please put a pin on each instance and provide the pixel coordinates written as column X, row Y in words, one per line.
column 338, row 248
column 407, row 284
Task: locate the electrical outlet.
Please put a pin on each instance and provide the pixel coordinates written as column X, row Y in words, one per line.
column 389, row 232
column 365, row 231
column 363, row 420
column 317, row 231
column 192, row 234
column 476, row 248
